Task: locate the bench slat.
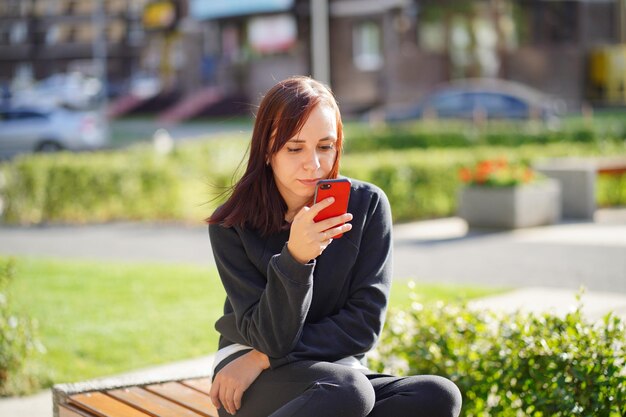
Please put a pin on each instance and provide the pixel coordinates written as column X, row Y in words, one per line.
column 200, row 384
column 185, row 396
column 151, row 403
column 69, row 411
column 104, row 406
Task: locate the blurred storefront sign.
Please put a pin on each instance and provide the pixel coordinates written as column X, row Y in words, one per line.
column 272, row 34
column 160, row 15
column 607, row 74
column 207, row 10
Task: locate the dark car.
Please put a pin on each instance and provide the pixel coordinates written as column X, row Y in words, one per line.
column 473, row 99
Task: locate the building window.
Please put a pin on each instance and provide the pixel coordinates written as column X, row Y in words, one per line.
column 50, row 8
column 59, row 33
column 556, row 22
column 116, row 32
column 367, row 46
column 230, row 43
column 19, row 32
column 14, row 8
column 53, row 34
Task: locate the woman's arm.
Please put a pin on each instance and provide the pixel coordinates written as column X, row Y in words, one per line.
column 267, row 313
column 234, row 379
column 355, row 328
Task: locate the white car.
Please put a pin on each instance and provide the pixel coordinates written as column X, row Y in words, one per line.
column 36, row 129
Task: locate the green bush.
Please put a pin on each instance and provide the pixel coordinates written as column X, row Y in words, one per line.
column 80, row 188
column 136, row 184
column 611, row 190
column 455, row 134
column 423, row 183
column 512, row 364
column 18, row 342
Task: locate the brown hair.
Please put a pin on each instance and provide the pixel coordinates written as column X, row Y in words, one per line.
column 255, row 201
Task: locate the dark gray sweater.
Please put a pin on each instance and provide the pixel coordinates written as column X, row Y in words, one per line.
column 331, row 308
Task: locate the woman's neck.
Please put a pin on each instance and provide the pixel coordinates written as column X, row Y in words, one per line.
column 290, row 214
column 292, row 210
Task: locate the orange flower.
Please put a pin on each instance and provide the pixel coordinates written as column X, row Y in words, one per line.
column 496, row 173
column 528, row 175
column 501, row 163
column 465, row 174
column 485, row 166
column 481, row 176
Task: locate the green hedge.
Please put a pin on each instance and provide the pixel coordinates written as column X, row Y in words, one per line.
column 611, row 190
column 137, row 184
column 80, row 188
column 423, row 183
column 454, row 134
column 512, row 364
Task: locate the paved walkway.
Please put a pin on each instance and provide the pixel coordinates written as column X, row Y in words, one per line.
column 567, row 255
column 546, row 266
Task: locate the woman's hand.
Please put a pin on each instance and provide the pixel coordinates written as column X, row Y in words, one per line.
column 234, row 379
column 307, row 239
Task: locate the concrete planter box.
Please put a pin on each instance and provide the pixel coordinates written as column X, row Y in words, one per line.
column 511, row 207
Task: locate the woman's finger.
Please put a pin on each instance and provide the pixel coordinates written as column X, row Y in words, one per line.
column 231, row 400
column 223, row 397
column 214, row 393
column 226, row 397
column 317, row 207
column 237, row 398
column 328, row 224
column 331, row 233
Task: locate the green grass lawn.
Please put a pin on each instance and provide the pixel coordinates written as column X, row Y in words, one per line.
column 102, row 318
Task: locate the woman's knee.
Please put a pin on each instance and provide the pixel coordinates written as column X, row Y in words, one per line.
column 444, row 397
column 350, row 391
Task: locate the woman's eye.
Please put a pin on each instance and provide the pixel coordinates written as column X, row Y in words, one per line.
column 327, row 147
column 293, row 149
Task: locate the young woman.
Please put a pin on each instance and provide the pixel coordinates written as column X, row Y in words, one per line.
column 302, row 308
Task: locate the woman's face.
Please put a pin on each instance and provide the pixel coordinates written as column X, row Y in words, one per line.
column 306, row 158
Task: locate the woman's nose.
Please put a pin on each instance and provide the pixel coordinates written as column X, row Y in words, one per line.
column 312, row 161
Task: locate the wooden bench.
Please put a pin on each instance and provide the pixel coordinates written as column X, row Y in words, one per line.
column 611, row 167
column 172, row 398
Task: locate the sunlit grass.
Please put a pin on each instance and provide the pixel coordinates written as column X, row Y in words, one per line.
column 102, row 318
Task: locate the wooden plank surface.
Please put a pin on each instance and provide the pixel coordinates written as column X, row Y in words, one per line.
column 70, row 411
column 151, row 403
column 185, row 396
column 102, row 405
column 188, row 398
column 200, row 384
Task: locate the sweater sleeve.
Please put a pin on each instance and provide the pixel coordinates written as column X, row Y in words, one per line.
column 355, row 328
column 267, row 313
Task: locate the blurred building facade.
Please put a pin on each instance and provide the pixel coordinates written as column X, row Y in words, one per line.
column 380, row 52
column 393, row 51
column 39, row 38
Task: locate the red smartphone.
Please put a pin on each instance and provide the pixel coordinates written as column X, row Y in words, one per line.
column 340, row 190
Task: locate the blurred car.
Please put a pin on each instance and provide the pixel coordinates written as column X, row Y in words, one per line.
column 49, row 129
column 473, row 99
column 70, row 90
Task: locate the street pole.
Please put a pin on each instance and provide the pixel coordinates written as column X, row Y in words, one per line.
column 100, row 51
column 621, row 10
column 320, row 53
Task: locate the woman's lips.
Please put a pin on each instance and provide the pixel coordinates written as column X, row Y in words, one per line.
column 309, row 183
